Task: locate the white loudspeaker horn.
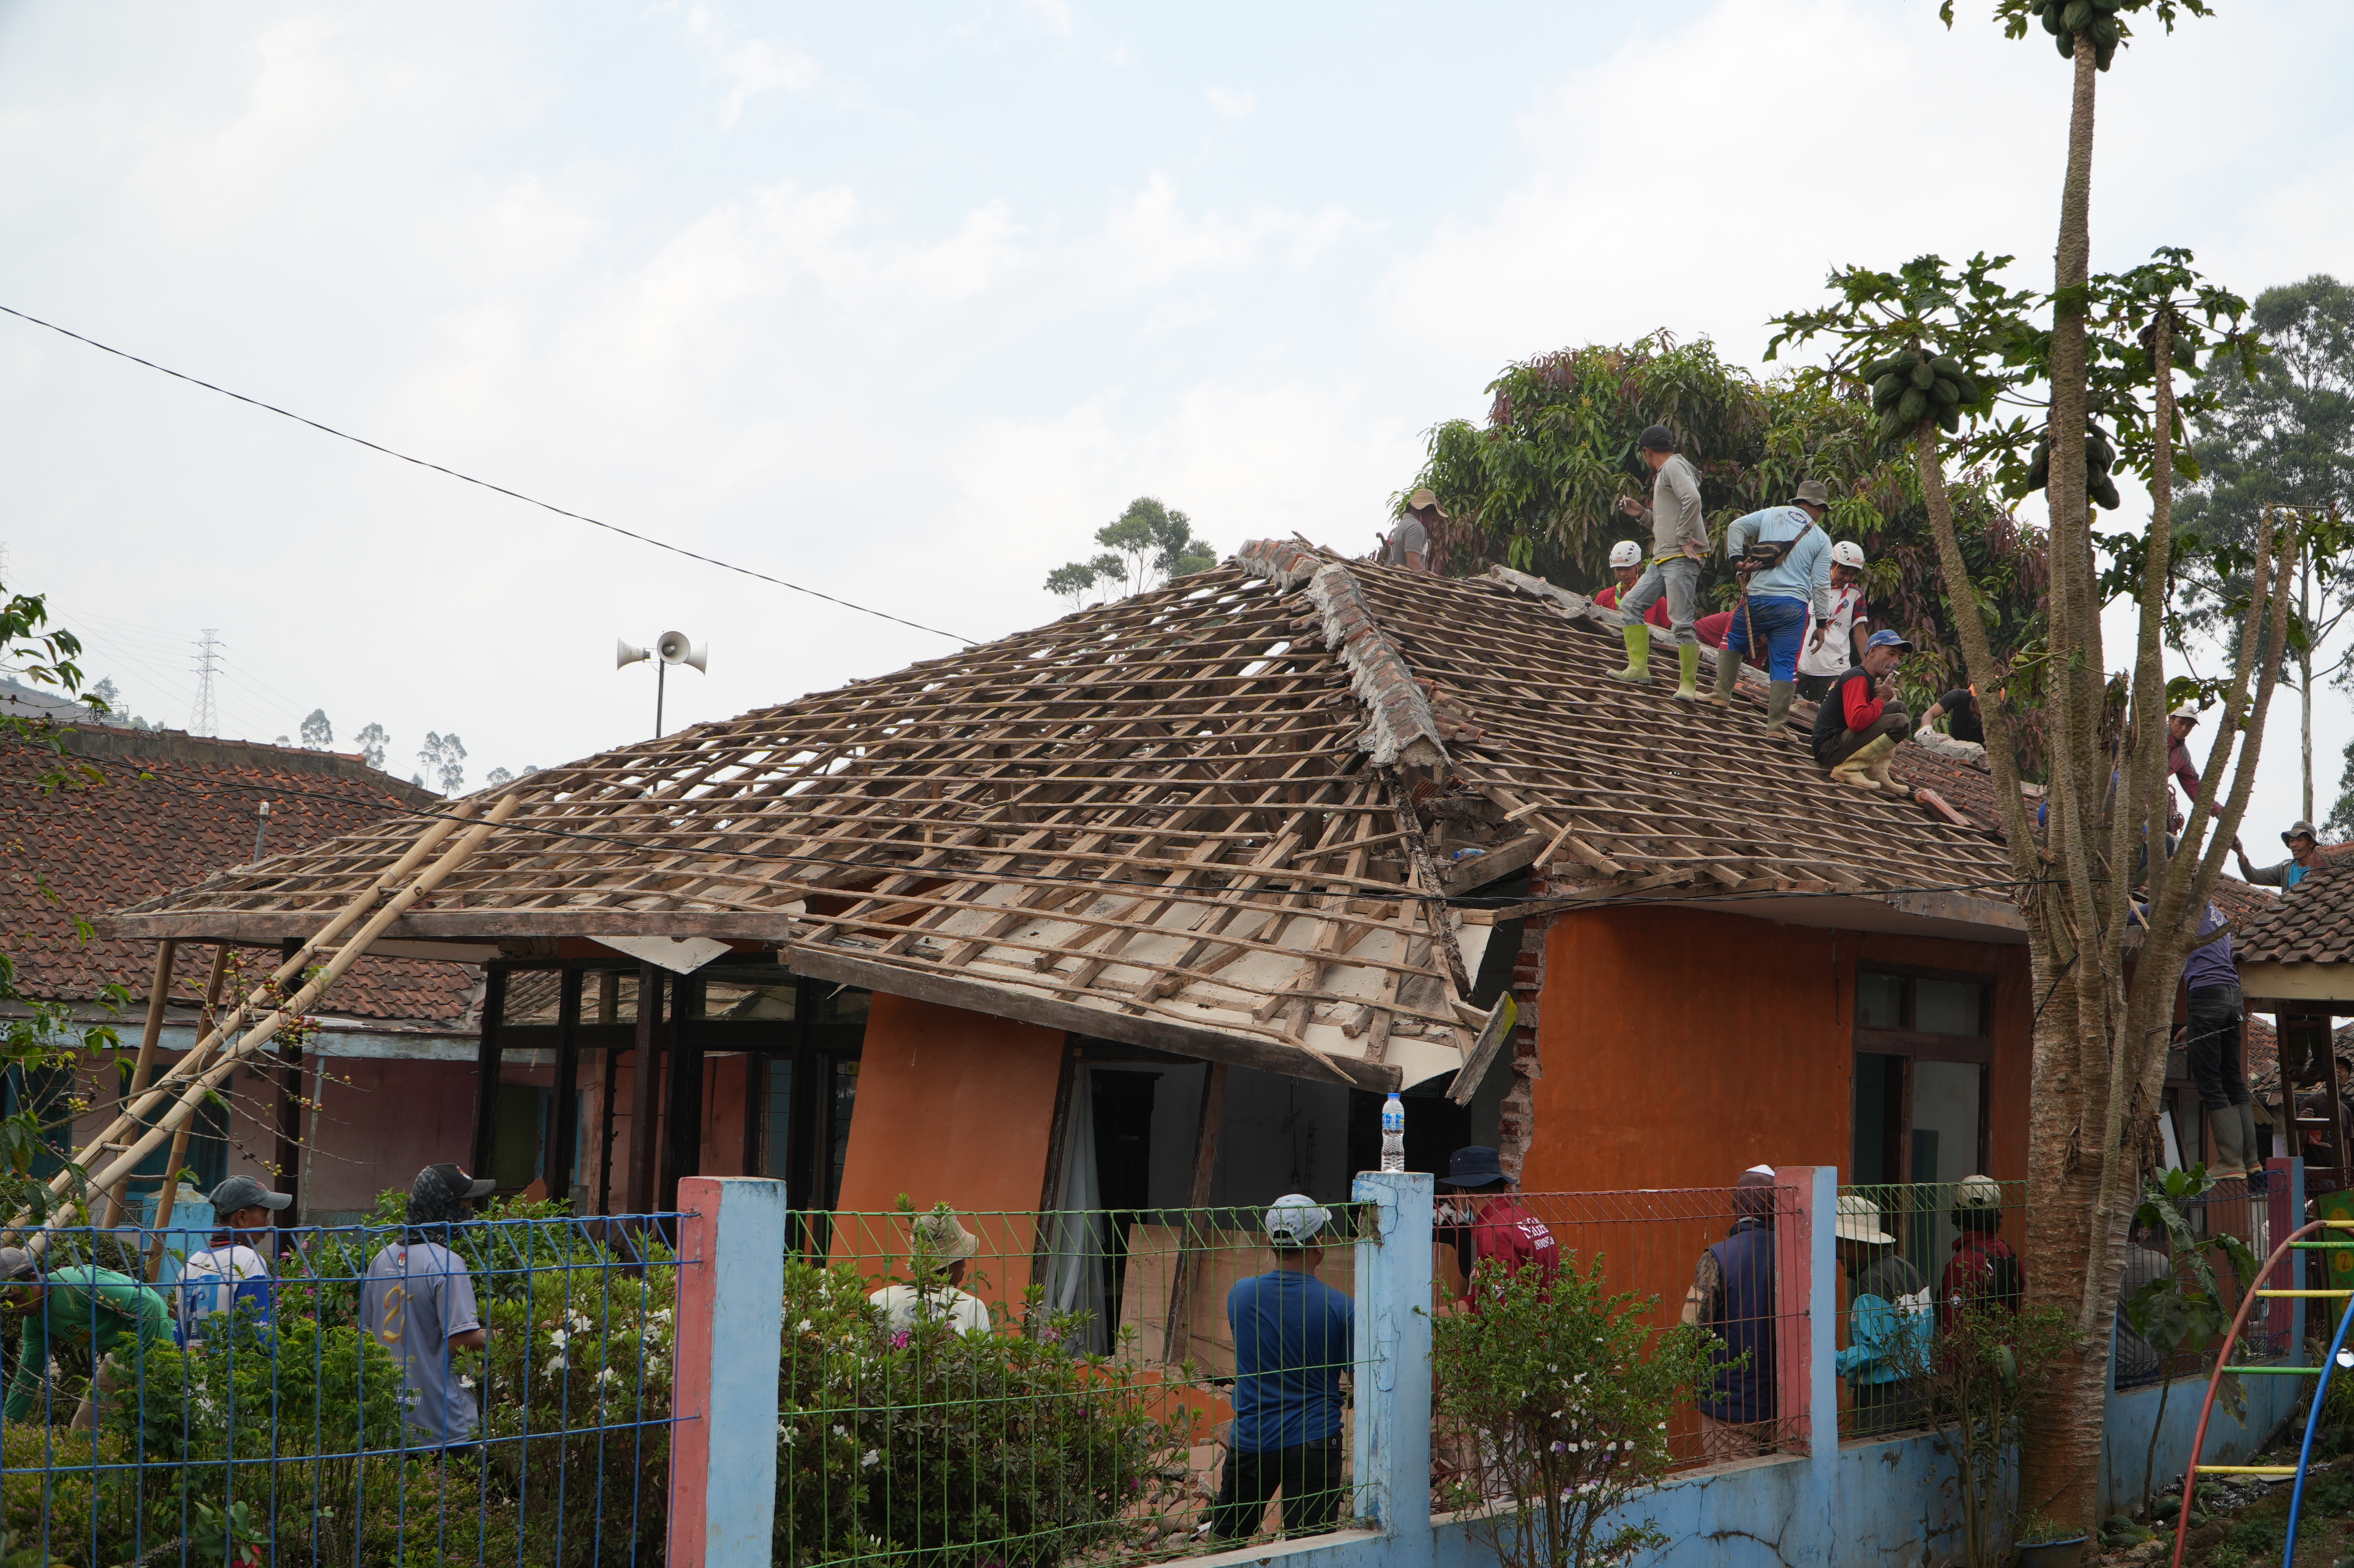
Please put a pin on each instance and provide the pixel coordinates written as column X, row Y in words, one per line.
column 624, row 655
column 675, row 649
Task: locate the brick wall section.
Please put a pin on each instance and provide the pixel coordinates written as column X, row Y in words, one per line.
column 1516, row 1120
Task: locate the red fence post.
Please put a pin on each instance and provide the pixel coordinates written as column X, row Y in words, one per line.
column 1794, row 1363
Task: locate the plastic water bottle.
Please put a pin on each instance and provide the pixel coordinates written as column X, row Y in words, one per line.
column 1394, row 1134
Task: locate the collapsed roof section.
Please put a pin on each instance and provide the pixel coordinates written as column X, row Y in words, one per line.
column 1218, row 818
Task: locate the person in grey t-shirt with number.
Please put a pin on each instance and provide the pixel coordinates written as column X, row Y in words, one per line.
column 419, row 1302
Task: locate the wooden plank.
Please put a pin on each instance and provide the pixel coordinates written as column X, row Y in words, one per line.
column 1485, row 1049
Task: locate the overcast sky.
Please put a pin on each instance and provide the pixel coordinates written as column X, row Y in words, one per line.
column 902, row 303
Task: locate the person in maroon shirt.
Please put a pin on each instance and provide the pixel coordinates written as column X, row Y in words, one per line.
column 1487, row 1223
column 1983, row 1268
column 2179, row 725
column 1626, row 563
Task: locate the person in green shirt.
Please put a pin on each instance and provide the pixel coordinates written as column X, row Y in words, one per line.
column 77, row 1305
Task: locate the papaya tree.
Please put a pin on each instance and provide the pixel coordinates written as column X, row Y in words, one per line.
column 2109, row 902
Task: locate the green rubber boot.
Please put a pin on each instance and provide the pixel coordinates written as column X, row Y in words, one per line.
column 1688, row 677
column 1728, row 670
column 1638, row 653
column 1777, row 702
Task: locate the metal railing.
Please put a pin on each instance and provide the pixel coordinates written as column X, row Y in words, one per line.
column 1114, row 1386
column 317, row 1395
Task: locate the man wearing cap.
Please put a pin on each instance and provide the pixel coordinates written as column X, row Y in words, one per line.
column 1983, row 1268
column 1408, row 544
column 1858, row 721
column 1838, row 640
column 1891, row 1324
column 2304, row 859
column 417, row 1299
column 1294, row 1336
column 94, row 1309
column 1731, row 1297
column 1626, row 566
column 1679, row 544
column 2179, row 725
column 1785, row 560
column 943, row 1249
column 1492, row 1227
column 231, row 1272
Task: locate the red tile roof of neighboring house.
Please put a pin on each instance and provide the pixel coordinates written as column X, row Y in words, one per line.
column 173, row 810
column 2313, row 923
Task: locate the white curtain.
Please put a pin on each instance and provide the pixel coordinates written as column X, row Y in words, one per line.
column 1077, row 1279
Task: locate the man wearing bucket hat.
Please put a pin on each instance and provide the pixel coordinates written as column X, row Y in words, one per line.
column 1859, row 723
column 1784, row 558
column 1294, row 1336
column 1891, row 1324
column 943, row 1250
column 417, row 1299
column 1408, row 544
column 1626, row 566
column 1838, row 641
column 2304, row 859
column 1491, row 1227
column 1679, row 544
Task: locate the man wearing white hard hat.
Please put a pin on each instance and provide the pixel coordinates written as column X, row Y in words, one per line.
column 1408, row 544
column 1294, row 1336
column 1837, row 645
column 1892, row 1323
column 1626, row 566
column 2179, row 725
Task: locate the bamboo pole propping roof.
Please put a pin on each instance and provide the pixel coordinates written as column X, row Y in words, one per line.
column 1209, row 818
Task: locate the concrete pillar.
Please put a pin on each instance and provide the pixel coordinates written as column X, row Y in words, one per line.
column 1393, row 1362
column 730, row 1305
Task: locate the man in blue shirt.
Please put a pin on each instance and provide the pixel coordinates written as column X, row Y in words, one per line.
column 1785, row 558
column 1294, row 1336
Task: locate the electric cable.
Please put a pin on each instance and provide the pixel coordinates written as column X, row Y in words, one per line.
column 486, row 484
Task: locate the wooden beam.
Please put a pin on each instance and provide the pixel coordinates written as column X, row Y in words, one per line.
column 561, row 1157
column 1461, row 876
column 1160, row 1034
column 486, row 1074
column 1177, row 1336
column 645, row 1133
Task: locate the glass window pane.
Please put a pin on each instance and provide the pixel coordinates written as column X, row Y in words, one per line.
column 776, row 1132
column 1947, row 1007
column 1879, row 1001
column 845, row 1095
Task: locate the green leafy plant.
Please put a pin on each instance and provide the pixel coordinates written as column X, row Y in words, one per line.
column 2185, row 1306
column 1986, row 1365
column 2041, row 1530
column 1567, row 1389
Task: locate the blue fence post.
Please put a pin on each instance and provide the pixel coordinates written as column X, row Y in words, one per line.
column 1392, row 1357
column 1823, row 1483
column 731, row 1304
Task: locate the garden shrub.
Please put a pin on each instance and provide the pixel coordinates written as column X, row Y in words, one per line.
column 937, row 1447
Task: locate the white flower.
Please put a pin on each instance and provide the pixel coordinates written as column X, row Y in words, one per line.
column 842, row 1431
column 558, row 1338
column 464, row 1381
column 869, row 1457
column 802, row 1326
column 608, row 1375
column 580, row 1322
column 556, row 1364
column 663, row 1316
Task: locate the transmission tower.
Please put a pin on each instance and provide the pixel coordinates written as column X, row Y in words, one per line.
column 202, row 717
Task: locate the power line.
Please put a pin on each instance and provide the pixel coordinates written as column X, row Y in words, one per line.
column 486, row 484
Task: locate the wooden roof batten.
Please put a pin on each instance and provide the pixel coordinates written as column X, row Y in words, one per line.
column 1221, row 818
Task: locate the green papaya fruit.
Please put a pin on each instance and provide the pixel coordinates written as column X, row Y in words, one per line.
column 2051, row 15
column 2039, row 466
column 2104, row 492
column 2077, row 17
column 1912, row 406
column 1904, row 359
column 2105, row 32
column 1923, row 375
column 1968, row 390
column 2106, row 7
column 2101, row 57
column 1888, row 388
column 1950, row 421
column 1946, row 393
column 1947, row 366
column 2067, row 42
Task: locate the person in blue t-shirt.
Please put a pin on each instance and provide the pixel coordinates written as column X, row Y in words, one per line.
column 1294, row 1336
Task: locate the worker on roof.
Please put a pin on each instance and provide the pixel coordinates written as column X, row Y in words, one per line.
column 2217, row 1010
column 1408, row 544
column 2179, row 725
column 2304, row 859
column 1626, row 566
column 1857, row 725
column 1837, row 645
column 1784, row 559
column 1679, row 544
column 1959, row 709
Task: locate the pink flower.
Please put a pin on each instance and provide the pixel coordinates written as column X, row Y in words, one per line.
column 899, row 1340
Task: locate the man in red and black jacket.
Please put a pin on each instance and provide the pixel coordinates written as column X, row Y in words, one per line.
column 1859, row 723
column 1488, row 1225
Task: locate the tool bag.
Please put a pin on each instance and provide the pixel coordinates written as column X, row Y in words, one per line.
column 1762, row 555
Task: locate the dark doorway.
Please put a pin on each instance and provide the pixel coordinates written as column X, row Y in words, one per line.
column 1122, row 1103
column 1880, row 1101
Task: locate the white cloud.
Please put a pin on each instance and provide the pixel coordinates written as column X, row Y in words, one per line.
column 750, row 66
column 1228, row 104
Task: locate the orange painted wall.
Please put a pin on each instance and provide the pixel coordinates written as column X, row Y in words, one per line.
column 1681, row 1046
column 954, row 1107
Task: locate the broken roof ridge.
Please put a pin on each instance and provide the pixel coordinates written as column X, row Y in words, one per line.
column 1400, row 726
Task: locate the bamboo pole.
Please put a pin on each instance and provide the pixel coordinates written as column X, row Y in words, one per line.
column 168, row 954
column 197, row 1088
column 291, row 968
column 171, row 1188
